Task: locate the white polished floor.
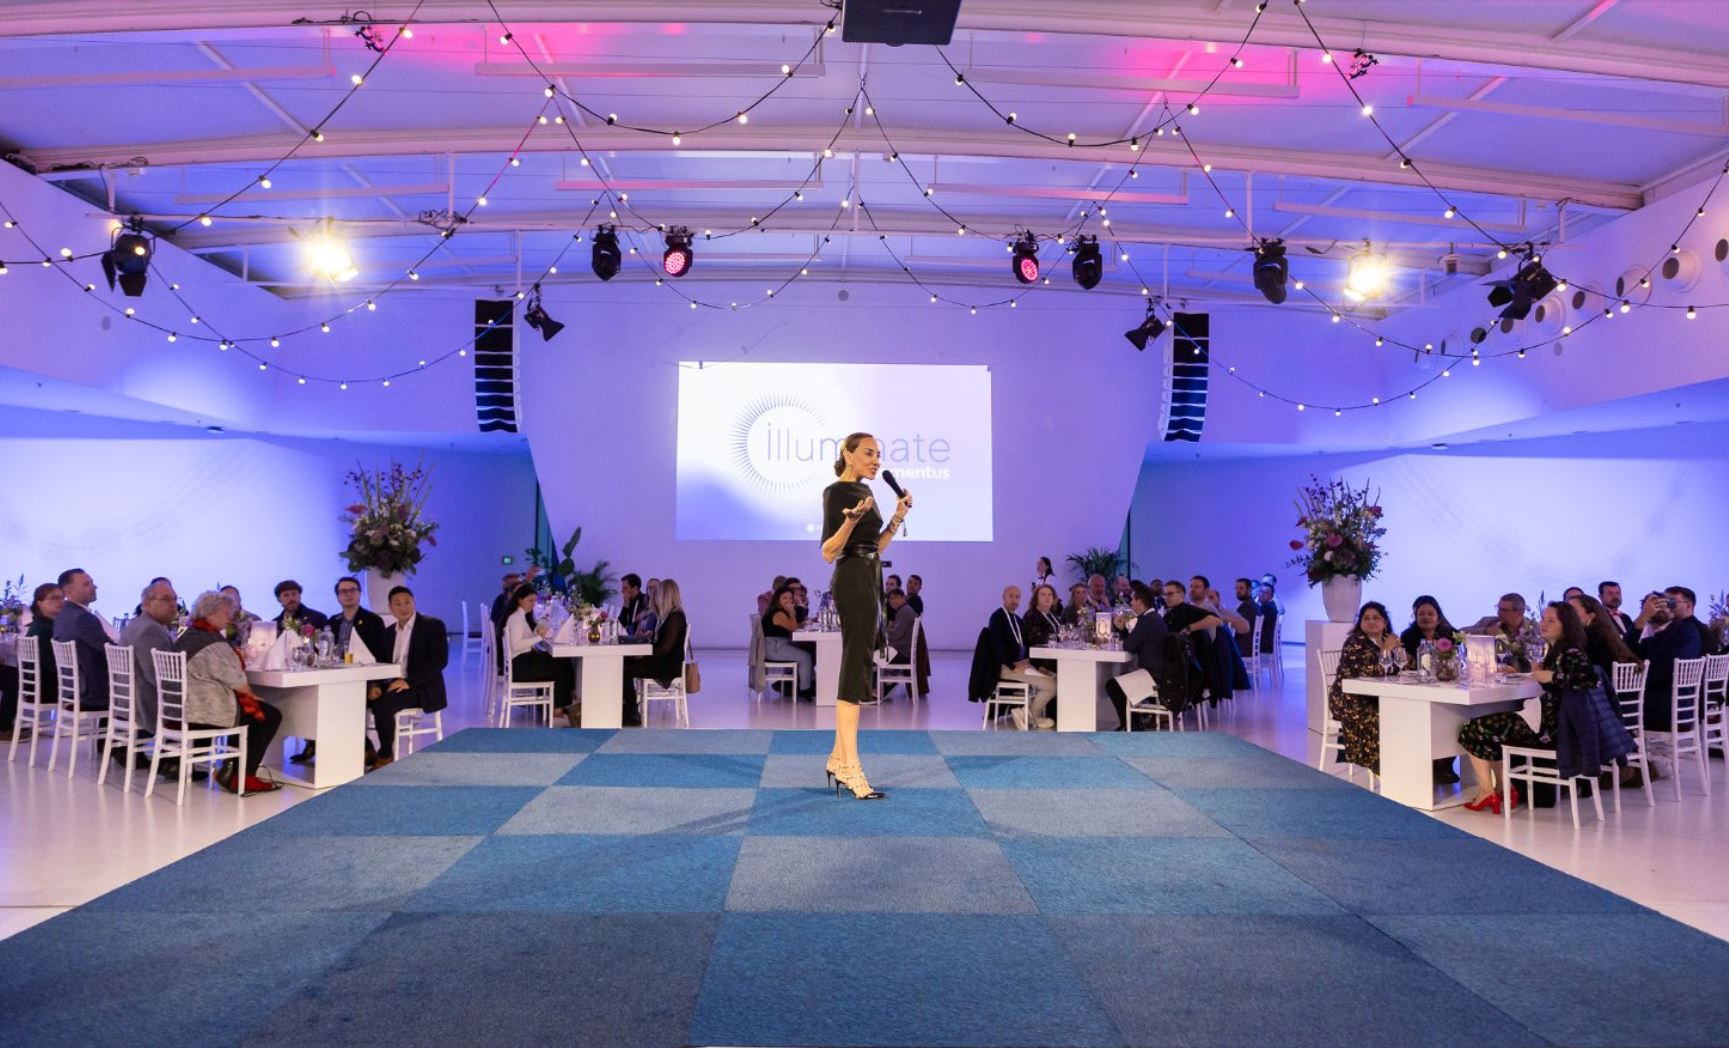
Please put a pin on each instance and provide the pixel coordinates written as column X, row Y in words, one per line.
column 64, row 842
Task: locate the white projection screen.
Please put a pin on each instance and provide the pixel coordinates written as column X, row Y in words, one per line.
column 756, row 445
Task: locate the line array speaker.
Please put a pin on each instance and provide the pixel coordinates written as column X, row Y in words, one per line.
column 1183, row 404
column 495, row 403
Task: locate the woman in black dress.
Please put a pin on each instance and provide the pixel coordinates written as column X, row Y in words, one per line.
column 853, row 538
column 1359, row 716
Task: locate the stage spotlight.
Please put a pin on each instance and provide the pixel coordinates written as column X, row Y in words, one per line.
column 328, row 257
column 606, row 256
column 1088, row 266
column 1026, row 259
column 127, row 260
column 1367, row 276
column 535, row 315
column 1150, row 329
column 678, row 259
column 1271, row 269
column 1528, row 286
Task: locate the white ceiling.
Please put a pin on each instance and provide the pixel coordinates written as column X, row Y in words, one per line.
column 1534, row 119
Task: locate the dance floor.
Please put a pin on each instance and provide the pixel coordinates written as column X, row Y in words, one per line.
column 670, row 888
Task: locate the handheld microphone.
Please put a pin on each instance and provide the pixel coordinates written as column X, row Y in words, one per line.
column 894, row 485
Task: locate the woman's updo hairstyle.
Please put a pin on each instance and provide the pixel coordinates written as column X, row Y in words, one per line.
column 851, row 443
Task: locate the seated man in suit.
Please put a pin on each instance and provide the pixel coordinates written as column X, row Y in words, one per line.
column 352, row 626
column 288, row 595
column 149, row 631
column 631, row 603
column 419, row 645
column 90, row 632
column 1146, row 643
column 898, row 627
column 1009, row 647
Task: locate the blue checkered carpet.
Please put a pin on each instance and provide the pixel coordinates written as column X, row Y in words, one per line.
column 676, row 888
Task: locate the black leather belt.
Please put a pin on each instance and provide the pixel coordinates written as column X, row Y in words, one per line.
column 867, row 552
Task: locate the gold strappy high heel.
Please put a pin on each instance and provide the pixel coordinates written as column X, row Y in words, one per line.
column 853, row 778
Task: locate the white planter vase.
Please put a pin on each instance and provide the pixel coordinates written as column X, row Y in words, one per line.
column 1342, row 595
column 378, row 587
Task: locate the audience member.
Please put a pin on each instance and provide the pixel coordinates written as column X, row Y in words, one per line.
column 1098, row 594
column 667, row 661
column 1509, row 628
column 139, row 610
column 218, row 695
column 1079, row 611
column 1145, row 644
column 1604, row 644
column 529, row 659
column 1359, row 716
column 501, row 605
column 1428, row 623
column 420, row 645
column 1571, row 592
column 354, row 622
column 241, row 616
column 1609, row 593
column 151, row 631
column 631, row 602
column 765, row 599
column 800, row 597
column 1249, row 610
column 1183, row 617
column 1565, row 673
column 1198, row 587
column 778, row 626
column 891, row 582
column 899, row 622
column 45, row 606
column 915, row 595
column 1043, row 624
column 90, row 632
column 1042, row 575
column 1009, row 648
column 1661, row 642
column 1267, row 601
column 1122, row 591
column 288, row 595
column 1227, row 655
column 1681, row 604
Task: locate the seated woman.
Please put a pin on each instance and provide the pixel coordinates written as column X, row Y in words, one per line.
column 1359, row 716
column 218, row 694
column 1042, row 623
column 1428, row 623
column 778, row 626
column 667, row 662
column 531, row 662
column 1565, row 668
column 1079, row 611
column 1604, row 644
column 45, row 605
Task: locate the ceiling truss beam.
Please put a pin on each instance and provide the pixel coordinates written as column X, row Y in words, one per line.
column 354, row 143
column 1196, row 20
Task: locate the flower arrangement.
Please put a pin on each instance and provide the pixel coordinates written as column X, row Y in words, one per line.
column 1342, row 529
column 388, row 525
column 292, row 625
column 13, row 605
column 1717, row 613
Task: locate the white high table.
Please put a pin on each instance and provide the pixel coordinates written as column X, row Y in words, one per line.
column 1080, row 674
column 328, row 705
column 827, row 663
column 602, row 679
column 1420, row 723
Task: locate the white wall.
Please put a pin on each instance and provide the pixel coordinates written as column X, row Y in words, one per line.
column 128, row 502
column 1465, row 525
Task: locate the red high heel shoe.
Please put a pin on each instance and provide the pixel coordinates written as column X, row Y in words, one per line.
column 1483, row 802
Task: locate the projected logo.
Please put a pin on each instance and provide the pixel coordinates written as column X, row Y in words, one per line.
column 779, row 445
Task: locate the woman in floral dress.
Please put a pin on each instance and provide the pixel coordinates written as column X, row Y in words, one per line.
column 1359, row 716
column 1566, row 668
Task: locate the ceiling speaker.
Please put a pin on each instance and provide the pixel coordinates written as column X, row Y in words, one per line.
column 897, row 22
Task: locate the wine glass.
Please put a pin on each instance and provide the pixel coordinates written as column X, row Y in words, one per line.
column 1535, row 650
column 1401, row 659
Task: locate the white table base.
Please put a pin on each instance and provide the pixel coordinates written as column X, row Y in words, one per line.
column 1420, row 723
column 827, row 663
column 1080, row 674
column 602, row 679
column 335, row 715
